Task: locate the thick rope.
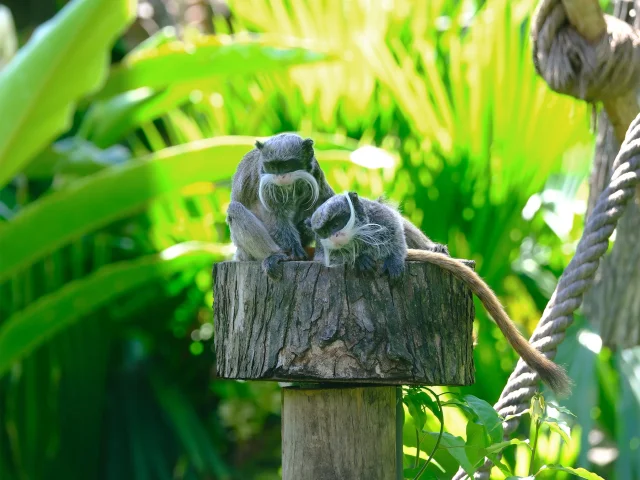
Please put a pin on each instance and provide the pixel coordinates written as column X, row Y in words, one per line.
column 575, row 281
column 571, row 65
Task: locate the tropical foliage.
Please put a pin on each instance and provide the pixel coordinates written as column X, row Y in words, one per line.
column 114, row 181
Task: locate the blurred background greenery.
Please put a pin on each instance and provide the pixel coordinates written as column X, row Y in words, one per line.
column 119, row 131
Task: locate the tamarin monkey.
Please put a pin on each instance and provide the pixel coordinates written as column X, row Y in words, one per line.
column 361, row 232
column 276, row 186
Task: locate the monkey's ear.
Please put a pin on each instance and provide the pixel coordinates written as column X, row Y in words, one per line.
column 307, row 146
column 354, row 197
column 259, row 144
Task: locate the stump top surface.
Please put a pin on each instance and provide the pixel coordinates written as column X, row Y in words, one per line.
column 319, row 324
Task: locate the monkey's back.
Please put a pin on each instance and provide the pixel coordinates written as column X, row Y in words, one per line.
column 246, row 181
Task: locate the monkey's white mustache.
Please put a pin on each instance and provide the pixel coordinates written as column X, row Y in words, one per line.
column 350, row 239
column 280, row 188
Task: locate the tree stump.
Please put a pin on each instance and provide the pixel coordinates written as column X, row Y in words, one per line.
column 322, row 324
column 348, row 332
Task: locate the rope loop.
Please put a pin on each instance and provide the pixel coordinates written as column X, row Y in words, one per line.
column 571, row 65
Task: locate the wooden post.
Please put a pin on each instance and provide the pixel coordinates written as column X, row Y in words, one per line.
column 349, row 340
column 335, row 433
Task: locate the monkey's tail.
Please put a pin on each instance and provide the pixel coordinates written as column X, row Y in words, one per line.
column 550, row 373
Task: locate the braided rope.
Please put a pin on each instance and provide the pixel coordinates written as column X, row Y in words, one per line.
column 575, row 281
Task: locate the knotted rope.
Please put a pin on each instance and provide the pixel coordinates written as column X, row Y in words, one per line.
column 575, row 281
column 570, row 64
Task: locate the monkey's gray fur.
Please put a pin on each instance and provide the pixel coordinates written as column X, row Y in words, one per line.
column 276, row 186
column 358, row 231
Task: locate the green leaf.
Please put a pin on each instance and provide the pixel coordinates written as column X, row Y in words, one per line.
column 497, row 461
column 560, row 428
column 579, row 472
column 176, row 62
column 21, row 333
column 487, row 416
column 111, row 194
column 455, row 446
column 560, row 408
column 428, row 402
column 65, row 59
column 477, row 440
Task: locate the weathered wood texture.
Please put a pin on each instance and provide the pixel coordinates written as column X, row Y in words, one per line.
column 612, row 305
column 332, row 325
column 340, row 433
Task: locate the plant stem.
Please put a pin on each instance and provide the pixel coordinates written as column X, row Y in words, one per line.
column 535, row 445
column 435, row 447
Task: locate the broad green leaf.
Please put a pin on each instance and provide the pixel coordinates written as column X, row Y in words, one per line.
column 561, row 428
column 175, row 62
column 65, row 59
column 21, row 333
column 487, row 416
column 111, row 194
column 456, row 448
column 578, row 472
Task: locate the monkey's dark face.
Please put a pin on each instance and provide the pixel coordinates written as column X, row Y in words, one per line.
column 334, row 222
column 282, row 170
column 333, row 225
column 286, row 178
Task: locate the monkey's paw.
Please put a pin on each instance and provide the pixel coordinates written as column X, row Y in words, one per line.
column 272, row 265
column 393, row 267
column 365, row 263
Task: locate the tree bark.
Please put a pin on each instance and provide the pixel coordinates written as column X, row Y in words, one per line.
column 339, row 433
column 613, row 303
column 321, row 324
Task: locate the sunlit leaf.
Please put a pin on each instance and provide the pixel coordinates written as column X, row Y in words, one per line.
column 175, row 62
column 111, row 194
column 66, row 59
column 579, row 472
column 560, row 428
